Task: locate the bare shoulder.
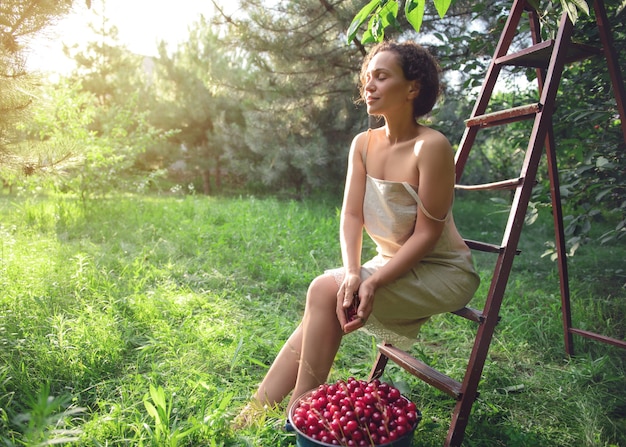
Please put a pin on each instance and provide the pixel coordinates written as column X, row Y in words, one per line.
column 432, row 144
column 359, row 141
column 432, row 137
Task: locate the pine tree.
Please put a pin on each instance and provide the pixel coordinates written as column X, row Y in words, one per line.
column 198, row 94
column 303, row 90
column 20, row 21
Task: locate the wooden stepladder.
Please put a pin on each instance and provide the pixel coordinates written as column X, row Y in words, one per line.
column 549, row 58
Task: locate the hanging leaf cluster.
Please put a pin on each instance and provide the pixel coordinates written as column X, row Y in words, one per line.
column 380, row 14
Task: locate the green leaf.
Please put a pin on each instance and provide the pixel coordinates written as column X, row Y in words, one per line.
column 414, row 12
column 442, row 6
column 388, row 15
column 376, row 27
column 572, row 7
column 367, row 37
column 152, row 411
column 582, row 5
column 361, row 17
column 158, row 396
column 226, row 401
column 571, row 10
column 410, row 5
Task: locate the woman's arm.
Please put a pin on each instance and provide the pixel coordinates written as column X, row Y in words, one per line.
column 435, row 164
column 351, row 226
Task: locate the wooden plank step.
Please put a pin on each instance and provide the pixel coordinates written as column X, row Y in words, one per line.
column 470, row 314
column 420, row 369
column 538, row 56
column 486, row 246
column 503, row 184
column 504, row 116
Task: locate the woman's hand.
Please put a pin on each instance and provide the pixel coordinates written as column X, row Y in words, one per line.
column 362, row 298
column 348, row 292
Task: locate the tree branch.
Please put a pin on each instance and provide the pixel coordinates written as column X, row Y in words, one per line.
column 330, row 8
column 223, row 14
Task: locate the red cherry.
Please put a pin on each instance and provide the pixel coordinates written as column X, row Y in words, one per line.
column 351, row 426
column 393, row 394
column 401, row 420
column 357, row 435
column 401, row 430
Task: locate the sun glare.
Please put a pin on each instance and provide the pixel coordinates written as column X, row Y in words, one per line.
column 140, row 23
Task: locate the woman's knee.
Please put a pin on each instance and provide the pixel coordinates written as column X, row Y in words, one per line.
column 323, row 292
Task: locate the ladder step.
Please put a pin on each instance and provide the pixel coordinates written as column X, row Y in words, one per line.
column 470, row 314
column 538, row 56
column 504, row 116
column 503, row 184
column 420, row 369
column 486, row 247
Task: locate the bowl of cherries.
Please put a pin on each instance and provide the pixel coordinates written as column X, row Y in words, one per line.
column 353, row 413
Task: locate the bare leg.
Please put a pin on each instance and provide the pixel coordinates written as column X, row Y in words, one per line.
column 281, row 377
column 321, row 335
column 306, row 358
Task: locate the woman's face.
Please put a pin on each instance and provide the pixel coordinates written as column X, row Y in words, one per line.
column 385, row 87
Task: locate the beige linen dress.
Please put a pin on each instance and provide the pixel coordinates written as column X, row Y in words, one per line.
column 443, row 281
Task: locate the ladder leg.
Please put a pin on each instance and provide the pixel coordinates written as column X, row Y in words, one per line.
column 379, row 366
column 557, row 209
column 557, row 215
column 611, row 59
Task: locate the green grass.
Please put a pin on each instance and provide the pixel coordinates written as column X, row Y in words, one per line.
column 148, row 321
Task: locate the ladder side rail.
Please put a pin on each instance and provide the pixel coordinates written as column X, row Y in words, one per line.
column 469, row 135
column 494, row 300
column 471, row 380
column 559, row 238
column 611, row 59
column 512, row 234
column 557, row 208
column 535, row 30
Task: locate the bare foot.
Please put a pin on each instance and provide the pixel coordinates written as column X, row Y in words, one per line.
column 252, row 414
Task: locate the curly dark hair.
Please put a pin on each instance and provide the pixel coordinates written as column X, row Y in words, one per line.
column 418, row 65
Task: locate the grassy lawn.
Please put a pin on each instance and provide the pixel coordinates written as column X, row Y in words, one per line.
column 148, row 321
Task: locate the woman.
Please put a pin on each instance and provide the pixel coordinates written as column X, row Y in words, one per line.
column 400, row 188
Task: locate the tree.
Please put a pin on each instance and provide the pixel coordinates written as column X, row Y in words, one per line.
column 118, row 83
column 303, row 114
column 200, row 94
column 20, row 20
column 108, row 70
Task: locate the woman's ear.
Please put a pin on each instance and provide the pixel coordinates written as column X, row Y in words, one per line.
column 414, row 90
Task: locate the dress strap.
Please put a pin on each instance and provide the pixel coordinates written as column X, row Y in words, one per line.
column 421, row 206
column 367, row 144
